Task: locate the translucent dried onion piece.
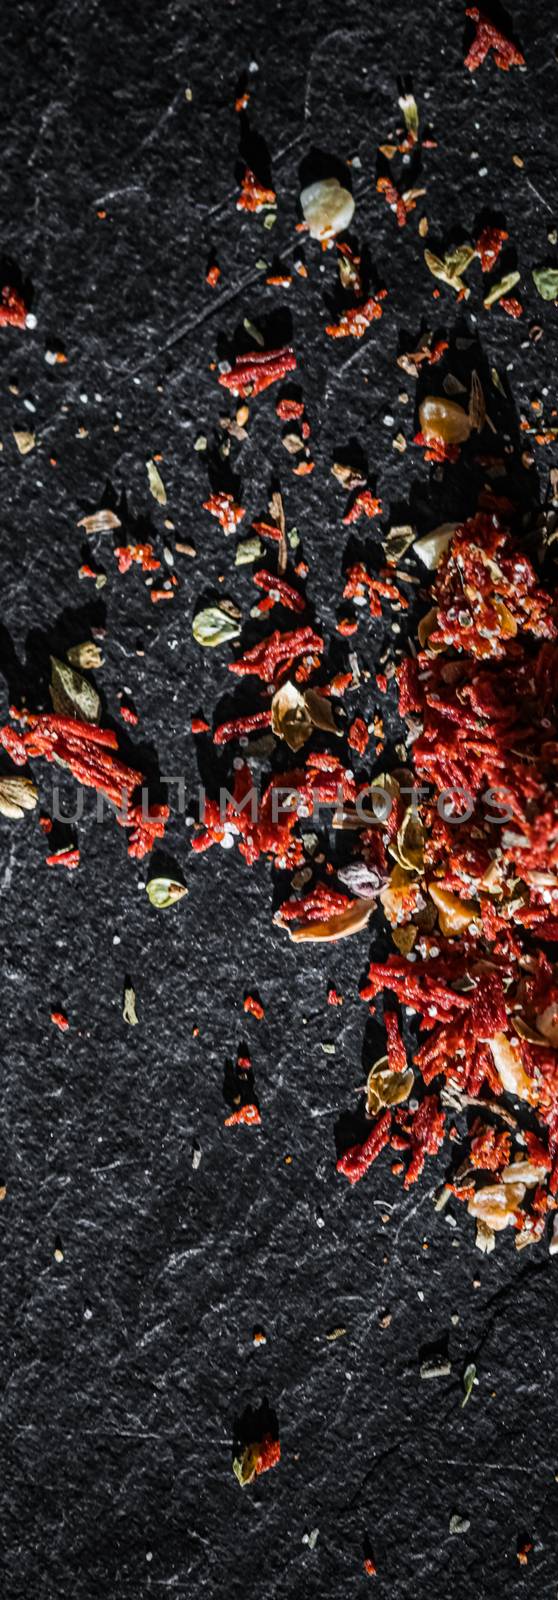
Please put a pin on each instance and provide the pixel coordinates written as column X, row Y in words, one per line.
column 433, row 546
column 497, row 1204
column 327, row 208
column 444, row 419
column 509, row 1067
column 454, row 914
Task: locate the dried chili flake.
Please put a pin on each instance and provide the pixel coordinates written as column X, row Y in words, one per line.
column 240, row 726
column 280, row 593
column 401, row 204
column 356, row 1161
column 358, row 736
column 257, row 370
column 129, row 715
column 13, row 312
column 64, row 858
column 489, row 245
column 354, row 322
column 490, row 1150
column 213, row 275
column 140, row 554
column 489, row 37
column 199, row 725
column 87, row 751
column 289, row 410
column 251, row 1117
column 369, row 1567
column 511, row 306
column 277, row 652
column 253, row 1007
column 254, row 196
column 60, row 1020
column 333, row 998
column 364, row 504
column 224, row 507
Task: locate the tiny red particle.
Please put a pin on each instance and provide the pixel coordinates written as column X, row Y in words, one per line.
column 60, row 1020
column 253, row 1006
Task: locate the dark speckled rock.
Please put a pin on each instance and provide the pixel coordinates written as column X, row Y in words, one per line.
column 126, row 1364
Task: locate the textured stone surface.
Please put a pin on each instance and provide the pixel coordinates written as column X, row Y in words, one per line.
column 125, row 1365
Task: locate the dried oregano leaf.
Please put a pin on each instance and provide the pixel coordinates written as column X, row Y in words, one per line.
column 16, row 796
column 248, row 550
column 85, row 655
column 545, row 280
column 72, row 695
column 501, row 288
column 129, row 1012
column 469, row 1380
column 214, row 626
column 164, row 892
column 156, row 484
column 451, row 269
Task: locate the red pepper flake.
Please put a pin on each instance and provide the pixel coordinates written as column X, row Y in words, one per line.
column 160, row 594
column 199, row 725
column 280, row 650
column 60, row 1020
column 45, row 823
column 257, row 370
column 251, row 1117
column 128, row 715
column 355, row 322
column 304, row 468
column 437, row 449
column 512, row 306
column 489, row 37
column 289, row 410
column 333, row 998
column 213, row 275
column 489, row 245
column 140, row 554
column 347, row 626
column 87, row 572
column 364, row 505
column 64, row 858
column 225, row 509
column 356, row 1161
column 87, row 751
column 382, row 682
column 240, row 726
column 280, row 592
column 253, row 195
column 358, row 736
column 401, row 204
column 369, row 1568
column 13, row 311
column 253, row 1006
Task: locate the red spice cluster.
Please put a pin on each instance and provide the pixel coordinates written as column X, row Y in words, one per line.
column 254, row 372
column 86, row 751
column 484, row 691
column 489, row 37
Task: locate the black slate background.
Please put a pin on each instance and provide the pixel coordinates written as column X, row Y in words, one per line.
column 126, row 1364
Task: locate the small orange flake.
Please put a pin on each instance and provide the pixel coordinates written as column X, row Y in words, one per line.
column 60, row 1020
column 254, row 1006
column 248, row 1114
